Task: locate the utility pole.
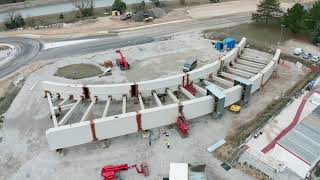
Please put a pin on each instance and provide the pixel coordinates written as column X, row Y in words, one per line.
column 282, row 27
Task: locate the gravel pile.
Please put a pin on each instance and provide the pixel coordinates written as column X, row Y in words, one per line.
column 154, row 12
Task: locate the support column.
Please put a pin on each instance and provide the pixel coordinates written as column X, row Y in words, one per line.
column 105, row 111
column 84, row 117
column 187, row 93
column 246, row 92
column 53, row 115
column 219, row 99
column 124, row 104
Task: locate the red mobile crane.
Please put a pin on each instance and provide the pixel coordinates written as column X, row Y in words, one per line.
column 122, row 62
column 111, row 172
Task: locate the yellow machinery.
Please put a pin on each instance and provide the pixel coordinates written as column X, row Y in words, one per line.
column 235, row 108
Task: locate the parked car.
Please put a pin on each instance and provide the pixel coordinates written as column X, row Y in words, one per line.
column 315, row 59
column 189, row 65
column 307, row 55
column 298, row 51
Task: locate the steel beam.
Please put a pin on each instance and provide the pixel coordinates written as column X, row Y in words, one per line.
column 156, row 98
column 200, row 89
column 141, row 102
column 85, row 115
column 172, row 96
column 124, row 104
column 69, row 113
column 105, row 111
column 187, row 93
column 53, row 114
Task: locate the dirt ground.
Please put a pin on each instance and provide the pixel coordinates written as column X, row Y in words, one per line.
column 104, row 25
column 25, row 153
column 290, row 45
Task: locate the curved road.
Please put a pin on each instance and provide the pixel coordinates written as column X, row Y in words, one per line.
column 27, row 49
column 30, row 49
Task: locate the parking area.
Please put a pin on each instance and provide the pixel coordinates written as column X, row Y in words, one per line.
column 303, row 50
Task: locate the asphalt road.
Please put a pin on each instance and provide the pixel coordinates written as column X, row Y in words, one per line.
column 27, row 49
column 30, row 49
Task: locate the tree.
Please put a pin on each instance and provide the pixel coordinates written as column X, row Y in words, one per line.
column 85, row 7
column 214, row 1
column 316, row 34
column 294, row 18
column 139, row 7
column 61, row 16
column 119, row 5
column 314, row 15
column 14, row 20
column 268, row 10
column 182, row 2
column 156, row 3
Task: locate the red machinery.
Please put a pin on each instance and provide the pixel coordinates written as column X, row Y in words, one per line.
column 183, row 124
column 122, row 62
column 111, row 172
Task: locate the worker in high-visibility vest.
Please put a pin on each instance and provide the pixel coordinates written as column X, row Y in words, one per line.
column 168, row 144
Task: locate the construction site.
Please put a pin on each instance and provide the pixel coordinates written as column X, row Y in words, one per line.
column 156, row 102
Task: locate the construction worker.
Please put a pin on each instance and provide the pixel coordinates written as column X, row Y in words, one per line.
column 168, row 144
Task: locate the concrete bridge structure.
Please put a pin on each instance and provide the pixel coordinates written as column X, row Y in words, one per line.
column 209, row 89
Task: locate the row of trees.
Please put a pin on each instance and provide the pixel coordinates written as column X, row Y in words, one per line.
column 296, row 19
column 85, row 8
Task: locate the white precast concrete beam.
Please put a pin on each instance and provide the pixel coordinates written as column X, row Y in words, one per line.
column 187, row 93
column 124, row 104
column 240, row 72
column 141, row 102
column 207, row 83
column 254, row 59
column 156, row 98
column 86, row 114
column 247, row 68
column 254, row 55
column 200, row 90
column 64, row 107
column 53, row 114
column 105, row 111
column 54, row 98
column 64, row 101
column 252, row 64
column 228, row 75
column 223, row 81
column 69, row 113
column 172, row 96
